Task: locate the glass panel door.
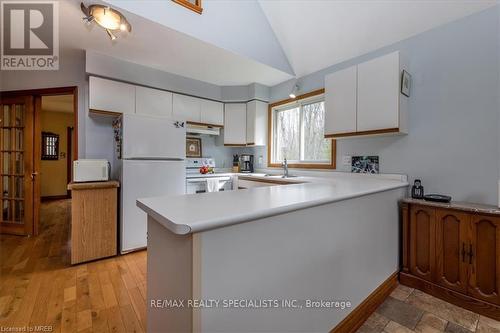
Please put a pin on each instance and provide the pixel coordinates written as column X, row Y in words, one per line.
column 16, row 157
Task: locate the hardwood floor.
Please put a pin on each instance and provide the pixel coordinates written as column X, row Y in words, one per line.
column 39, row 287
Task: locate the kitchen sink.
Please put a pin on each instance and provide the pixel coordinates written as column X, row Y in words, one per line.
column 279, row 176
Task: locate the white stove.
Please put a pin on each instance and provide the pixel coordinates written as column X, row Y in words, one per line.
column 197, row 182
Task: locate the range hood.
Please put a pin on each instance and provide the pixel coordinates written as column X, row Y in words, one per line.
column 202, row 129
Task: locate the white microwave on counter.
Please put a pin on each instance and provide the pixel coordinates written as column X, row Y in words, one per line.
column 88, row 170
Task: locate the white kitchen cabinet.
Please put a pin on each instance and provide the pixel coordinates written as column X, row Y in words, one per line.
column 186, row 107
column 212, row 113
column 378, row 93
column 153, row 102
column 340, row 101
column 366, row 99
column 256, row 123
column 235, row 127
column 111, row 96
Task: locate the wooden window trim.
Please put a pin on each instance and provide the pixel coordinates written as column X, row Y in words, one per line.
column 333, row 163
column 194, row 7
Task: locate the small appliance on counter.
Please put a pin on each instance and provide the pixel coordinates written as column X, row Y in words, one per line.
column 417, row 190
column 88, row 170
column 246, row 163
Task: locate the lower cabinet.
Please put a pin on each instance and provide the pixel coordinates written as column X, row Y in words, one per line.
column 484, row 258
column 452, row 252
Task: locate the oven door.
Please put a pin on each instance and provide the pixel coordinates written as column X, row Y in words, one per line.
column 199, row 185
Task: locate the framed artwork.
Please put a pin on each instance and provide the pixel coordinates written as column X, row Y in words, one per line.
column 50, row 146
column 193, row 147
column 365, row 164
column 405, row 83
column 194, row 5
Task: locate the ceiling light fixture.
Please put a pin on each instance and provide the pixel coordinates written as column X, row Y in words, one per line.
column 295, row 90
column 108, row 18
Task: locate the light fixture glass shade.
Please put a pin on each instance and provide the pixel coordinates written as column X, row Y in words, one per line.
column 108, row 18
column 293, row 93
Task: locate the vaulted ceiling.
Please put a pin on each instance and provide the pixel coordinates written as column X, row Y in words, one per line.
column 316, row 34
column 237, row 42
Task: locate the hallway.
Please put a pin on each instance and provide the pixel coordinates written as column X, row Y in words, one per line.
column 39, row 287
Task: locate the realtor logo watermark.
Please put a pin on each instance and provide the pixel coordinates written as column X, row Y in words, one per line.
column 30, row 35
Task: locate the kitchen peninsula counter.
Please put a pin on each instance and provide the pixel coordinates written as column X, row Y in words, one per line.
column 327, row 238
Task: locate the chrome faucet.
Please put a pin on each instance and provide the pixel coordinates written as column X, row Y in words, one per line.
column 285, row 168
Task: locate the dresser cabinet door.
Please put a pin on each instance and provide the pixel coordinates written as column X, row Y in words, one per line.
column 451, row 249
column 422, row 241
column 484, row 281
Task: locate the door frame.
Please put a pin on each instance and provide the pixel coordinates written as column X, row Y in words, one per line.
column 37, row 140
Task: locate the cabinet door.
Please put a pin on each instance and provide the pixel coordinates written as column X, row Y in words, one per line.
column 235, row 127
column 451, row 249
column 186, row 107
column 212, row 113
column 256, row 123
column 111, row 96
column 484, row 281
column 153, row 102
column 422, row 241
column 340, row 101
column 378, row 93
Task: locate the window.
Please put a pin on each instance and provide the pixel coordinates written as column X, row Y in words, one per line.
column 297, row 133
column 50, row 146
column 194, row 5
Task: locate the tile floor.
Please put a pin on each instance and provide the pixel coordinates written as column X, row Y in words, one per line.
column 409, row 310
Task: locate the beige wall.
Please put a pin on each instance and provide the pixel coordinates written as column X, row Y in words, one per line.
column 53, row 173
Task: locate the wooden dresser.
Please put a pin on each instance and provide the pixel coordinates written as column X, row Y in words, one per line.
column 94, row 210
column 452, row 251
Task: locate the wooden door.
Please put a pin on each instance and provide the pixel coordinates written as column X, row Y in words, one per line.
column 451, row 249
column 484, row 258
column 422, row 241
column 16, row 164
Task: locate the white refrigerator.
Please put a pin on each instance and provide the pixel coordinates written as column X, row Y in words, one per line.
column 151, row 153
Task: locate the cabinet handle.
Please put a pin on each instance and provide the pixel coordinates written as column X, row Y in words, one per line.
column 463, row 252
column 471, row 254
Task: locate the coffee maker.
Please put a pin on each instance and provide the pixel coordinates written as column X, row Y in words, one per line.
column 246, row 163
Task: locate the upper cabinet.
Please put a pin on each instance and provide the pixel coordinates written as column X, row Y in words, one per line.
column 187, row 107
column 198, row 110
column 256, row 123
column 235, row 124
column 153, row 102
column 378, row 93
column 340, row 101
column 212, row 113
column 366, row 99
column 107, row 96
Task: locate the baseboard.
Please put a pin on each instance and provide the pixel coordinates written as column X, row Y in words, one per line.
column 453, row 297
column 55, row 197
column 360, row 314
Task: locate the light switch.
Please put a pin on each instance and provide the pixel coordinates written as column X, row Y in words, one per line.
column 346, row 160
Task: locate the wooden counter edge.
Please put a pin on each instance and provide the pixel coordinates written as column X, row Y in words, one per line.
column 93, row 185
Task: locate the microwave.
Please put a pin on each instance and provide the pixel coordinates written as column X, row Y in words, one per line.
column 91, row 170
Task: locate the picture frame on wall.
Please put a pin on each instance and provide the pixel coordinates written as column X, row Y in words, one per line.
column 405, row 83
column 193, row 147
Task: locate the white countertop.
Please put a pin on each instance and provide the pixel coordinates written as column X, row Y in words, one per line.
column 191, row 213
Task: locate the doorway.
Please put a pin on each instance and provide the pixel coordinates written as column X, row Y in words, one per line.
column 57, row 121
column 22, row 144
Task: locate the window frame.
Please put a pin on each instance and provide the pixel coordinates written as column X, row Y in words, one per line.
column 55, row 137
column 271, row 124
column 196, row 7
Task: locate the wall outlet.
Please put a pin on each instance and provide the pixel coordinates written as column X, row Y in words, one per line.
column 261, row 161
column 346, row 160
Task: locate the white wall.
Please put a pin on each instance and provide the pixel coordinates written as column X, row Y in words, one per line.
column 453, row 141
